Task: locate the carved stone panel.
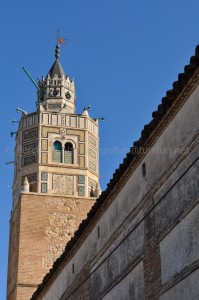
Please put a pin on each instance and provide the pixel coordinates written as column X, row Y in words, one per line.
column 62, row 227
column 82, row 149
column 92, row 153
column 44, row 157
column 92, row 166
column 46, row 130
column 30, row 148
column 44, row 145
column 77, row 132
column 27, row 160
column 62, row 219
column 63, row 184
column 92, row 140
column 81, row 161
column 30, row 134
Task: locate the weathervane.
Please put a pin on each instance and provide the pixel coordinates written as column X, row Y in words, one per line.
column 60, row 41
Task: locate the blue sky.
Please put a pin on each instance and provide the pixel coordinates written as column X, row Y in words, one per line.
column 124, row 56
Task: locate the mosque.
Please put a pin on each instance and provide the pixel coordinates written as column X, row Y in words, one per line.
column 139, row 238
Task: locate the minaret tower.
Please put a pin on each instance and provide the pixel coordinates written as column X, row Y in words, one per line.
column 55, row 181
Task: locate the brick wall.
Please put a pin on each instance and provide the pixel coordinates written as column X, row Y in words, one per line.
column 46, row 224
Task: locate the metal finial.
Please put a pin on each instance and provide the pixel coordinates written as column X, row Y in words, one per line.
column 57, row 51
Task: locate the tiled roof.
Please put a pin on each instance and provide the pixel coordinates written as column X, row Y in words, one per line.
column 163, row 108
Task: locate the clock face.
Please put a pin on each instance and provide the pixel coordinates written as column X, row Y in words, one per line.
column 55, row 92
column 68, row 95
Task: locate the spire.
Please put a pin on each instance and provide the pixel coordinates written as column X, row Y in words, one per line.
column 56, row 67
column 58, row 90
column 57, row 51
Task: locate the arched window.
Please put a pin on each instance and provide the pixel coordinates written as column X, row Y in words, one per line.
column 57, row 152
column 68, row 153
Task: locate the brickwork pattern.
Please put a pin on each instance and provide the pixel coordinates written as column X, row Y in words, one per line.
column 47, row 223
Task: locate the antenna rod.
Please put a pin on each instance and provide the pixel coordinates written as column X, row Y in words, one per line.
column 40, row 91
column 9, row 162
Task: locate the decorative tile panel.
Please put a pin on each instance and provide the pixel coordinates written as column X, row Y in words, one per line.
column 36, row 119
column 92, row 153
column 92, row 166
column 73, row 121
column 46, row 130
column 82, row 149
column 30, row 119
column 29, row 148
column 54, row 106
column 54, row 119
column 92, row 140
column 24, row 121
column 59, row 120
column 45, row 118
column 63, row 121
column 77, row 132
column 44, row 187
column 82, row 161
column 30, row 134
column 81, row 179
column 81, row 190
column 44, row 145
column 27, row 160
column 44, row 176
column 91, row 183
column 81, row 123
column 44, row 157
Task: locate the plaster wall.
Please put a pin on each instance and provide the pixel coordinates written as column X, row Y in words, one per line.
column 188, row 288
column 164, row 196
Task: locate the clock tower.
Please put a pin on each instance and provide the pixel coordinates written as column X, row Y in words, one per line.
column 56, row 181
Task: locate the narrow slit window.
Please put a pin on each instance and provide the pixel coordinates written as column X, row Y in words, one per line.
column 98, row 232
column 143, row 169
